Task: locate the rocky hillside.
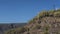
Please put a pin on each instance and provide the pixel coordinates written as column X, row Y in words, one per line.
column 46, row 22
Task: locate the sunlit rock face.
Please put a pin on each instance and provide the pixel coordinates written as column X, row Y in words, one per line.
column 50, row 24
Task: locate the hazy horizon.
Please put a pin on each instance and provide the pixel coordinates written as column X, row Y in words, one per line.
column 12, row 11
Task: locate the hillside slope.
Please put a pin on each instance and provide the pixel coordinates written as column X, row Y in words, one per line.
column 5, row 27
column 46, row 22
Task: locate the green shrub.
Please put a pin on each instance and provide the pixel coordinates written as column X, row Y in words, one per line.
column 43, row 14
column 32, row 20
column 51, row 13
column 46, row 32
column 10, row 31
column 46, row 28
column 57, row 14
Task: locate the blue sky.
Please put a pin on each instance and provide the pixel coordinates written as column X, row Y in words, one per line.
column 12, row 11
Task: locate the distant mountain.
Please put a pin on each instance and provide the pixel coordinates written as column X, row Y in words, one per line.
column 5, row 27
column 46, row 22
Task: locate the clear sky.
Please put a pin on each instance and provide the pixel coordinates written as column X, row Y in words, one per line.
column 12, row 11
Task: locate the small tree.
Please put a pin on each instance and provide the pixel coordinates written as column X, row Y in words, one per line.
column 12, row 26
